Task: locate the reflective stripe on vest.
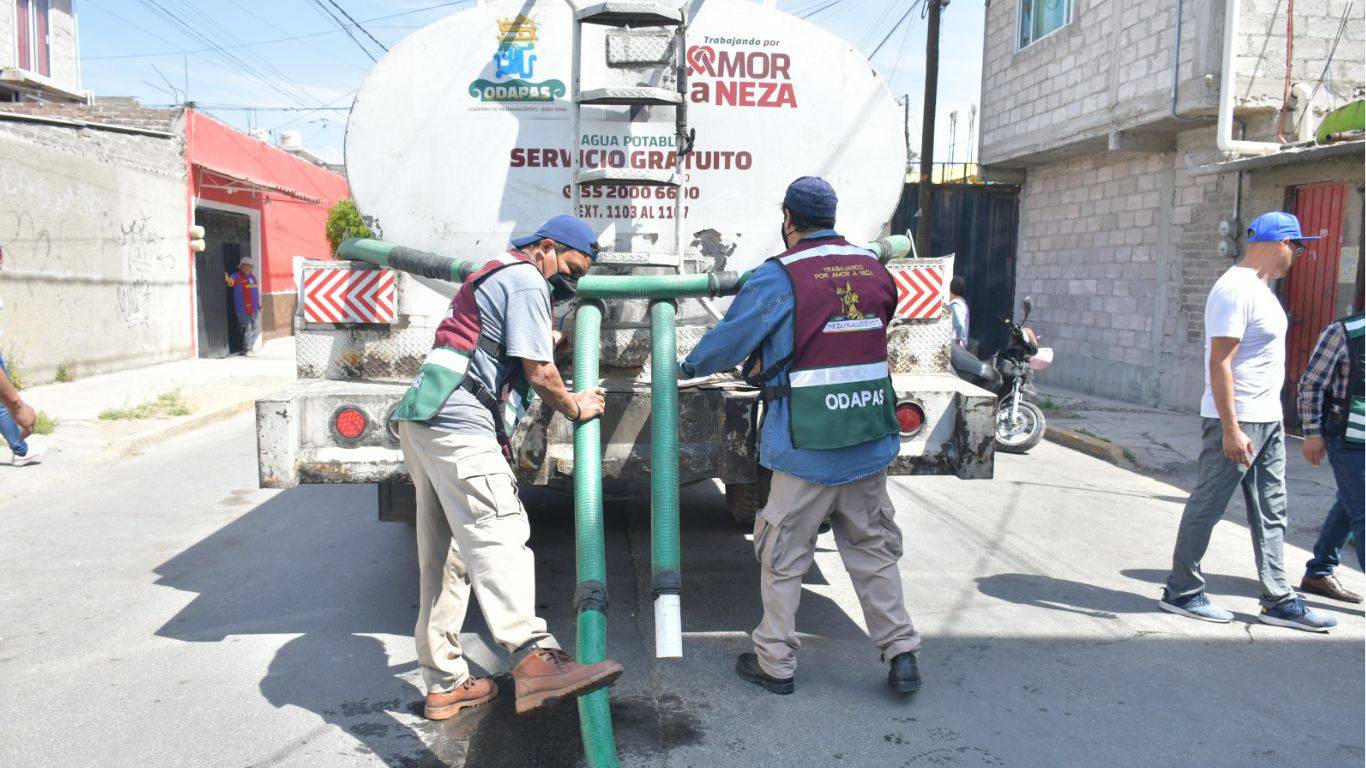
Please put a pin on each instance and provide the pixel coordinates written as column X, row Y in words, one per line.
column 839, row 388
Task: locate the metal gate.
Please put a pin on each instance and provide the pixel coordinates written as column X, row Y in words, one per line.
column 213, row 310
column 979, row 223
column 1310, row 289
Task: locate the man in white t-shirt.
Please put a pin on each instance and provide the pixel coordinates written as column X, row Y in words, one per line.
column 1244, row 441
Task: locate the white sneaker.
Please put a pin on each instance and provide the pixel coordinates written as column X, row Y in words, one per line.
column 36, row 449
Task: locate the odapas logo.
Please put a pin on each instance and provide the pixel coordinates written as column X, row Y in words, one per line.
column 515, row 67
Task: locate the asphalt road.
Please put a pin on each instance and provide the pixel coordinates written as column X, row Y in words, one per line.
column 162, row 611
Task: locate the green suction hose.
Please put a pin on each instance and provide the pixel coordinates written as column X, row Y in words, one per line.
column 403, row 259
column 666, row 580
column 590, row 596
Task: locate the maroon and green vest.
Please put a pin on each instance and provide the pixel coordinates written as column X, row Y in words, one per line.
column 447, row 365
column 839, row 388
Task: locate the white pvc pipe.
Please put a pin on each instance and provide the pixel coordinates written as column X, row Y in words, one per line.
column 668, row 627
column 1304, row 112
column 1228, row 83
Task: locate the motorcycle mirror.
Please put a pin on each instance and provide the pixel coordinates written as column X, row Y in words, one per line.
column 1028, row 307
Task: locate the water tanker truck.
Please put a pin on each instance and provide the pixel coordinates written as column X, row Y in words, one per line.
column 674, row 132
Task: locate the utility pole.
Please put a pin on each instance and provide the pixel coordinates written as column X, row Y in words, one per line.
column 922, row 227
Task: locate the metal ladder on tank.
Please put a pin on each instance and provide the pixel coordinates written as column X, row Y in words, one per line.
column 623, row 15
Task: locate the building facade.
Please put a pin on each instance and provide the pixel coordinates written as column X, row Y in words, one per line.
column 1105, row 111
column 97, row 203
column 39, row 51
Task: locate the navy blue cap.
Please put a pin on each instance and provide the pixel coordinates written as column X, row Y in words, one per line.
column 811, row 196
column 1274, row 227
column 566, row 230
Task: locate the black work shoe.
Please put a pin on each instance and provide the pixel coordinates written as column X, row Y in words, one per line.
column 747, row 667
column 905, row 674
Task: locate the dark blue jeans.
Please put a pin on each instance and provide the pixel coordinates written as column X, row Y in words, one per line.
column 1346, row 515
column 8, row 428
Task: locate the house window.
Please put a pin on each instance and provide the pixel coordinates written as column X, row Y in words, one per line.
column 32, row 33
column 1040, row 18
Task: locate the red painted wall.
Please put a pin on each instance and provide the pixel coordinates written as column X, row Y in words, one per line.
column 289, row 227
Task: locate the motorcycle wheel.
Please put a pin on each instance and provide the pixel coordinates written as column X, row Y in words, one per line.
column 1025, row 433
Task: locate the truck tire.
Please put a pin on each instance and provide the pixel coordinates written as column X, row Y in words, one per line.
column 744, row 500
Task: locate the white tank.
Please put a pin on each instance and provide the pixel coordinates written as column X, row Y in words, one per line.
column 459, row 138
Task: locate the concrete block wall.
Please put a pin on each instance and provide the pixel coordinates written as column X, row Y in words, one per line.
column 96, row 271
column 1118, row 251
column 1110, row 70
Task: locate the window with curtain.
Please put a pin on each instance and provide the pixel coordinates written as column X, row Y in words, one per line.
column 32, row 36
column 1040, row 18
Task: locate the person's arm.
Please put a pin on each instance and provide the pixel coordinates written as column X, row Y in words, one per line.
column 1318, row 374
column 1237, row 445
column 528, row 334
column 959, row 311
column 544, row 377
column 748, row 321
column 22, row 413
column 231, row 282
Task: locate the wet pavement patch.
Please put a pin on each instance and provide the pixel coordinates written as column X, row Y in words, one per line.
column 494, row 736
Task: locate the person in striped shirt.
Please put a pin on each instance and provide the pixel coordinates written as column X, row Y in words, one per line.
column 1330, row 401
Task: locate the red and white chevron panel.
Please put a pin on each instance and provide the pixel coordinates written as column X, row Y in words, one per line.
column 919, row 292
column 349, row 296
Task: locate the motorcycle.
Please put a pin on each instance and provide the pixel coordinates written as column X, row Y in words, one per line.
column 1020, row 424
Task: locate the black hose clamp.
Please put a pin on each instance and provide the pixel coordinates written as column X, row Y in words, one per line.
column 666, row 583
column 590, row 595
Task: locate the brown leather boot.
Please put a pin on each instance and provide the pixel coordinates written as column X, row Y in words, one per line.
column 549, row 675
column 474, row 691
column 1328, row 586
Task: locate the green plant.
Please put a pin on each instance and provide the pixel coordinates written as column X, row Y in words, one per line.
column 343, row 221
column 166, row 404
column 1048, row 404
column 44, row 424
column 64, row 374
column 15, row 372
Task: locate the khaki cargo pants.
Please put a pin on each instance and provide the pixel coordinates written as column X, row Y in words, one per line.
column 471, row 533
column 869, row 543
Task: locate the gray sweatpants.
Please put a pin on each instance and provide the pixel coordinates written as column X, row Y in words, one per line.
column 1263, row 486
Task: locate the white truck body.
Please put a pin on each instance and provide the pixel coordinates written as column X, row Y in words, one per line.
column 460, row 139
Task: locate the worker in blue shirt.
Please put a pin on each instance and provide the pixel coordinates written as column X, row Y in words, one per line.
column 828, row 434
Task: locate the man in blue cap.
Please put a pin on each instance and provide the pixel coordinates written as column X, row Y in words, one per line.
column 494, row 345
column 810, row 326
column 1244, row 441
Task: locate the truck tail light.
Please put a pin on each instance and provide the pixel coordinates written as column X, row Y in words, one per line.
column 349, row 423
column 910, row 417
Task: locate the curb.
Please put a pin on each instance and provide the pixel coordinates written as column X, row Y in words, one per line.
column 1091, row 446
column 192, row 424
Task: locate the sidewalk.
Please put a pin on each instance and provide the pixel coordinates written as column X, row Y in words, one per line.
column 1165, row 445
column 210, row 390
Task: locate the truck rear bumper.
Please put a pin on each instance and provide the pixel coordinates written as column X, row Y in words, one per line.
column 297, row 441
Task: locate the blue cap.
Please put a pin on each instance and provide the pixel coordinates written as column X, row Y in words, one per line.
column 811, row 196
column 566, row 230
column 1274, row 227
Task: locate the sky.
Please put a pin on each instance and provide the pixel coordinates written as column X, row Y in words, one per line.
column 281, row 54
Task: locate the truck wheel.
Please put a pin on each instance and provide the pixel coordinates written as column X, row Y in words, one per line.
column 744, row 500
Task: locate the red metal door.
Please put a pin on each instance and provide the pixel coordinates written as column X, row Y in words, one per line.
column 42, row 32
column 1311, row 285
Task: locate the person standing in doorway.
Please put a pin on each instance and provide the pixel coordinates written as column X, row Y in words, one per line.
column 958, row 308
column 1244, row 440
column 1332, row 414
column 246, row 300
column 811, row 328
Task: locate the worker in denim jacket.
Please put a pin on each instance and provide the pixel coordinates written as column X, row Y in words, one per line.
column 810, row 325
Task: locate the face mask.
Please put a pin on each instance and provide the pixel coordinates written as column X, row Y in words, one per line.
column 562, row 287
column 782, row 234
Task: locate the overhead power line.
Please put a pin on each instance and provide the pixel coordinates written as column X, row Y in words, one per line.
column 328, row 14
column 343, row 12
